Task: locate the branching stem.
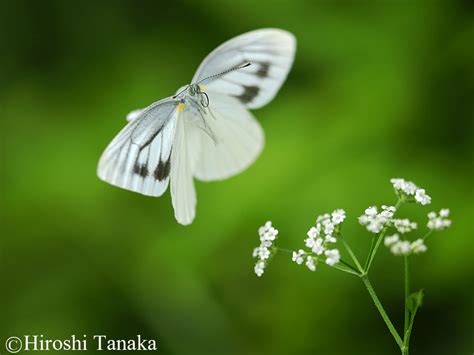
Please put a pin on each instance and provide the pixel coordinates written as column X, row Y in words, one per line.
column 382, row 312
column 373, row 248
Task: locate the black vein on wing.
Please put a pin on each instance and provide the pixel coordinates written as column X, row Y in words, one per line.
column 163, row 168
column 140, row 169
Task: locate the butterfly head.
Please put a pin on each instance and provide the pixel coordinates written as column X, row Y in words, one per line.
column 193, row 89
column 196, row 92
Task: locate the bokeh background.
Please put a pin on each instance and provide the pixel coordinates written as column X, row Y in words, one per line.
column 378, row 90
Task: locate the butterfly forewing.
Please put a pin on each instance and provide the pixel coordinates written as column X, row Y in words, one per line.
column 270, row 52
column 139, row 157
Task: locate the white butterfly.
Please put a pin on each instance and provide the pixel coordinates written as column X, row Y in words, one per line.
column 205, row 131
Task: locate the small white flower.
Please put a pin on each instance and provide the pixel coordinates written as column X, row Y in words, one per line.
column 272, row 233
column 297, row 257
column 398, row 184
column 332, row 257
column 387, row 212
column 422, row 197
column 322, row 218
column 390, row 240
column 404, row 247
column 444, row 213
column 440, row 222
column 259, row 268
column 309, row 242
column 375, row 221
column 263, row 253
column 371, row 211
column 318, row 247
column 310, row 263
column 401, row 247
column 328, row 228
column 265, row 228
column 418, row 246
column 375, row 227
column 385, row 215
column 404, row 225
column 403, row 186
column 314, row 232
column 389, row 208
column 330, row 239
column 268, row 235
column 364, row 219
column 409, row 188
column 338, row 216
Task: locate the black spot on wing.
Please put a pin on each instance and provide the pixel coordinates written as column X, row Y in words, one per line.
column 141, row 170
column 250, row 92
column 263, row 69
column 168, row 167
column 162, row 170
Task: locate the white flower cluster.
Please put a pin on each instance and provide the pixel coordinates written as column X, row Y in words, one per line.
column 268, row 235
column 375, row 221
column 404, row 247
column 404, row 225
column 410, row 190
column 300, row 256
column 439, row 221
column 320, row 237
column 326, row 231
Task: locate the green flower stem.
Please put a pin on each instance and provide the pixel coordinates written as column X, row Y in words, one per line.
column 372, row 244
column 427, row 234
column 346, row 267
column 407, row 294
column 349, row 266
column 382, row 312
column 354, row 258
column 285, row 250
column 408, row 333
column 349, row 270
column 373, row 249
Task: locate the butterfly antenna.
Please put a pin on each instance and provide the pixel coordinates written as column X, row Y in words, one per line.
column 224, row 72
column 179, row 93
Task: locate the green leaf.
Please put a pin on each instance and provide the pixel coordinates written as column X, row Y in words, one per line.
column 415, row 300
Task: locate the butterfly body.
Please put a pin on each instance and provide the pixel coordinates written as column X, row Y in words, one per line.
column 205, row 131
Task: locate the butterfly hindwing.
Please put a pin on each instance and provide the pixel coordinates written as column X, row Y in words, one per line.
column 234, row 141
column 183, row 162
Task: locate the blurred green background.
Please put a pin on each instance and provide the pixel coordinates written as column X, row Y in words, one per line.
column 378, row 90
